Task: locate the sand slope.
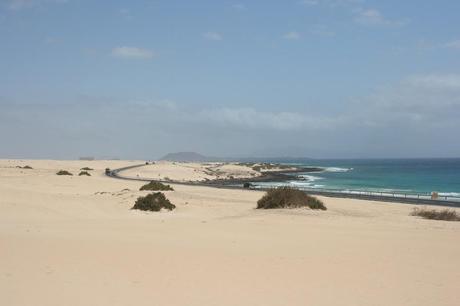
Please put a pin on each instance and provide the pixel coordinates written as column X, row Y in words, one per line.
column 74, row 241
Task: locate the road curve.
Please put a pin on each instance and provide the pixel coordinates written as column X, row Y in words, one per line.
column 115, row 173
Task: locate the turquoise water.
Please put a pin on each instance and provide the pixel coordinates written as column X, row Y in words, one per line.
column 383, row 175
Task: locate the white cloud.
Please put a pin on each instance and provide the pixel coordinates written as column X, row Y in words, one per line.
column 454, row 44
column 374, row 17
column 293, row 35
column 23, row 4
column 132, row 53
column 212, row 36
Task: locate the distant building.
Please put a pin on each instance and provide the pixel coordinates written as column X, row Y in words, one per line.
column 87, row 158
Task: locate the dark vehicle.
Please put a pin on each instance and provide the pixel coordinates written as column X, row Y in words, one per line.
column 107, row 171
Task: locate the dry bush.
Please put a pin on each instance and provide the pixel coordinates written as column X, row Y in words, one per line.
column 287, row 197
column 63, row 172
column 156, row 186
column 433, row 214
column 153, row 202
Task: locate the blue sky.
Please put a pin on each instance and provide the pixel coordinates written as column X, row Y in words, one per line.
column 318, row 78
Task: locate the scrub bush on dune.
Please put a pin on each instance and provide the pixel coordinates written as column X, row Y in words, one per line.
column 156, row 186
column 287, row 197
column 25, row 167
column 433, row 214
column 63, row 172
column 153, row 202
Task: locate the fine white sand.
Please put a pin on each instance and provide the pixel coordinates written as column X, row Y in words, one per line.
column 182, row 171
column 75, row 241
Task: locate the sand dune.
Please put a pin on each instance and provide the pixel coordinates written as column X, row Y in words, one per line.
column 187, row 171
column 75, row 241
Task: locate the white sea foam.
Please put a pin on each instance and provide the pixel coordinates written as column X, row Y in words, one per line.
column 449, row 194
column 310, row 178
column 337, row 169
column 304, row 184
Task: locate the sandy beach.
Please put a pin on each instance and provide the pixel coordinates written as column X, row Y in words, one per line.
column 73, row 240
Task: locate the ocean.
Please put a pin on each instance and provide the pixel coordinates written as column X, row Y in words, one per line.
column 402, row 176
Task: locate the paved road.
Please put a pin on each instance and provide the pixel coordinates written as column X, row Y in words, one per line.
column 115, row 173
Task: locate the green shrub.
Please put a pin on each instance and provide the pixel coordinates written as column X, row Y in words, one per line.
column 433, row 214
column 64, row 172
column 156, row 186
column 86, row 169
column 287, row 197
column 84, row 173
column 153, row 202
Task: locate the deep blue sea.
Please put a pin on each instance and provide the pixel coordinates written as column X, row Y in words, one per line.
column 383, row 175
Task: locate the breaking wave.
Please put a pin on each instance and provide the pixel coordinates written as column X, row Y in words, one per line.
column 337, row 169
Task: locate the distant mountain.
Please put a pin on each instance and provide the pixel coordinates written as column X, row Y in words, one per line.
column 187, row 157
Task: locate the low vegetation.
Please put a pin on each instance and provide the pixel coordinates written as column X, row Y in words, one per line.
column 84, row 173
column 64, row 172
column 86, row 169
column 156, row 186
column 287, row 197
column 268, row 166
column 153, row 202
column 265, row 166
column 433, row 214
column 25, row 167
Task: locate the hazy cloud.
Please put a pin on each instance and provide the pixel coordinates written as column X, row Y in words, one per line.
column 293, row 35
column 132, row 53
column 125, row 13
column 374, row 17
column 428, row 100
column 23, row 4
column 417, row 111
column 309, row 2
column 434, row 81
column 239, row 6
column 331, row 3
column 212, row 36
column 321, row 30
column 52, row 40
column 250, row 118
column 454, row 44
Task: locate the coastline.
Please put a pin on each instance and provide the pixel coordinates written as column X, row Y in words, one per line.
column 286, row 175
